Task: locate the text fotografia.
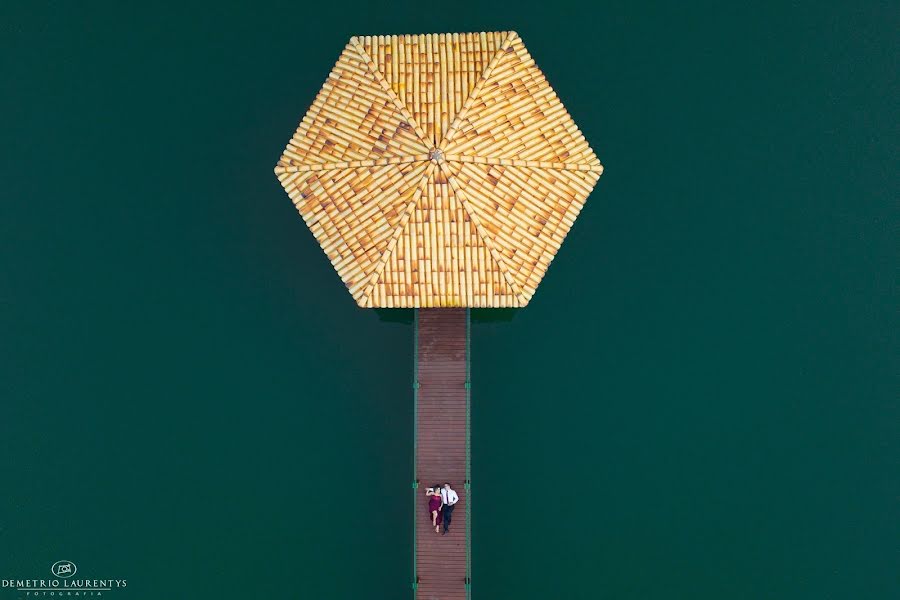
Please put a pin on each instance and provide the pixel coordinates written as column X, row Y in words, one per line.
column 63, row 587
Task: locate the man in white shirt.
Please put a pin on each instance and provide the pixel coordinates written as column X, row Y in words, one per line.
column 450, row 499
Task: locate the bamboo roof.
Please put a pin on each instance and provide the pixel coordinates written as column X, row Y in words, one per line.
column 438, row 170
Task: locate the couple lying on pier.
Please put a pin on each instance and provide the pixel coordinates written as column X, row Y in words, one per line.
column 441, row 500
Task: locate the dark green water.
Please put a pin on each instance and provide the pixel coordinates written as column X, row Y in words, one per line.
column 700, row 401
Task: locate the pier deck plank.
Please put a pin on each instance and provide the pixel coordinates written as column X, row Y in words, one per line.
column 441, row 560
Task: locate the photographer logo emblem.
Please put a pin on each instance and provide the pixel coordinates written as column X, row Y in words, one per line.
column 63, row 568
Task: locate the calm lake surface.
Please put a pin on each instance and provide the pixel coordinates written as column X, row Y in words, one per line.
column 699, row 403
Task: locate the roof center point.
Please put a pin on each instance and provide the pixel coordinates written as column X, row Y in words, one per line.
column 436, row 155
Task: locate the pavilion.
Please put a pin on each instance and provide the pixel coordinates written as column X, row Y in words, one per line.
column 439, row 172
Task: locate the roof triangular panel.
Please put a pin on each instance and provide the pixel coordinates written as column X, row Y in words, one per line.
column 354, row 212
column 516, row 114
column 354, row 118
column 525, row 212
column 433, row 74
column 440, row 259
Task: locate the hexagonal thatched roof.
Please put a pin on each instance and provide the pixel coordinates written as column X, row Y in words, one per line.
column 438, row 170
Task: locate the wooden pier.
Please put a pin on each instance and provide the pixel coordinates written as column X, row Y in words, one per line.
column 441, row 386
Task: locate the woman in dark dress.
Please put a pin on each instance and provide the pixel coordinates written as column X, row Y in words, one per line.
column 435, row 504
